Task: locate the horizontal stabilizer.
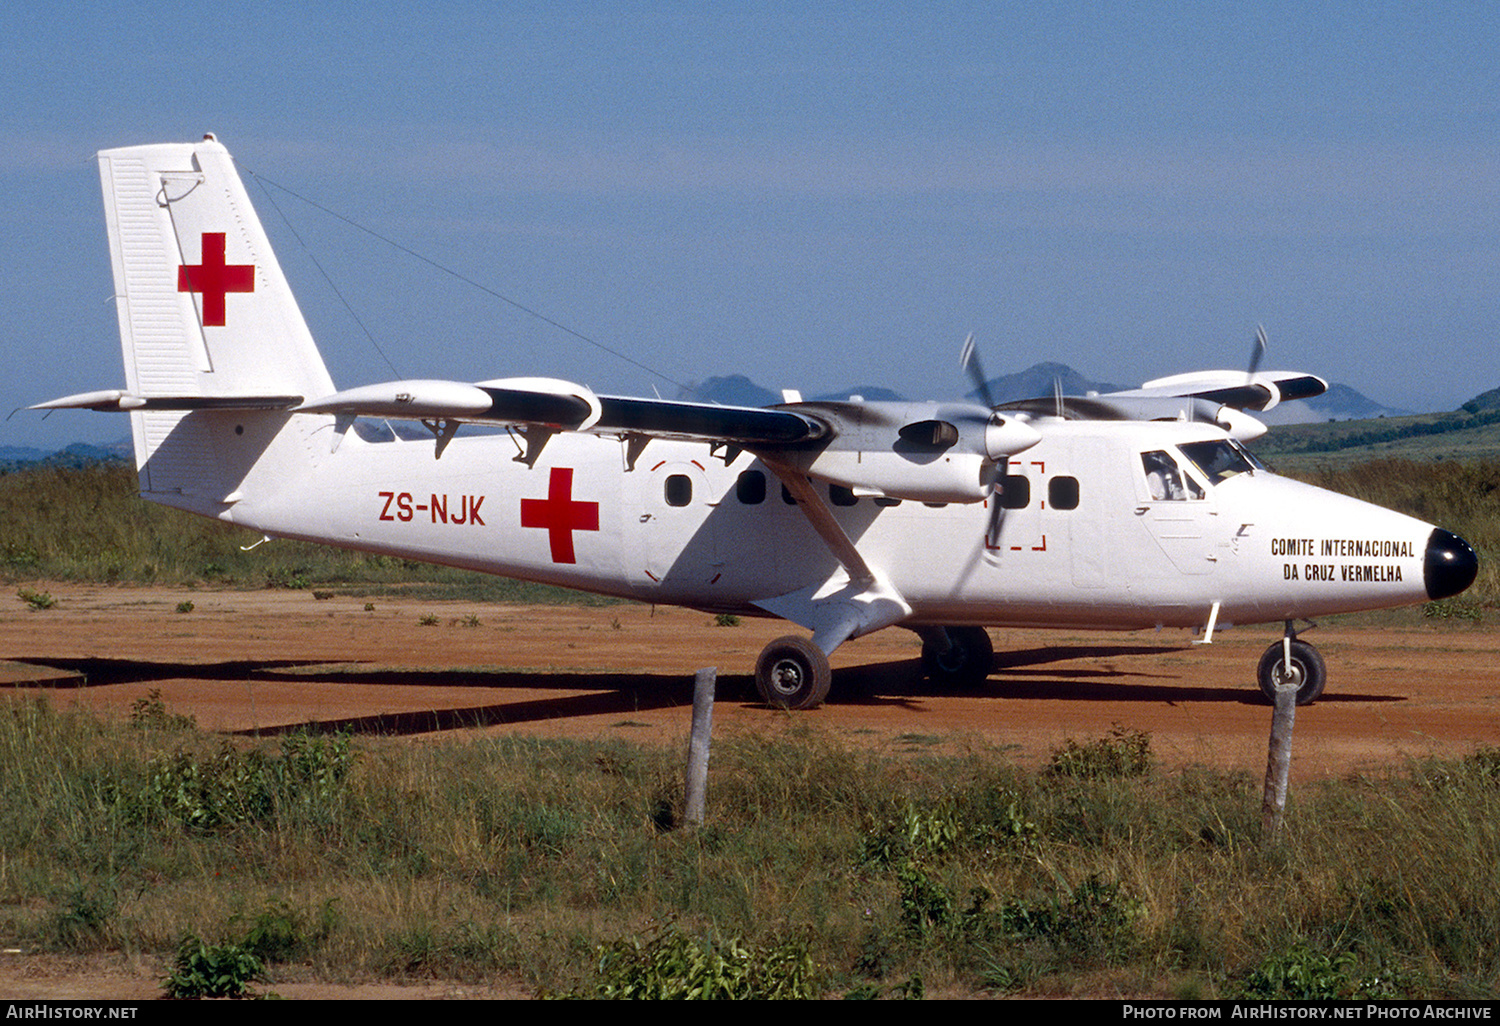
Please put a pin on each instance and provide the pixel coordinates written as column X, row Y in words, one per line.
column 114, row 400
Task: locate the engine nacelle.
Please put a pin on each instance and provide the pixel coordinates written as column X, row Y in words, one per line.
column 924, row 451
column 936, row 477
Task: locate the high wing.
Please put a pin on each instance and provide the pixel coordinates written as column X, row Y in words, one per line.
column 927, row 451
column 563, row 406
column 1237, row 389
column 1215, row 397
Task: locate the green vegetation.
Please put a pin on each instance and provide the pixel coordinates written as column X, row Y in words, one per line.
column 212, row 971
column 88, row 524
column 822, row 870
column 1124, row 753
column 1472, row 432
column 675, row 966
column 1463, row 497
column 36, row 599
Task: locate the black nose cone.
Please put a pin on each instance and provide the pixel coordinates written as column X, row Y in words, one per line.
column 1450, row 565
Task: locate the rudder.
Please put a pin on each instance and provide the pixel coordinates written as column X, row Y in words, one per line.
column 207, row 320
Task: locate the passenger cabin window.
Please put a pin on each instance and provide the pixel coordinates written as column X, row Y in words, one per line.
column 679, row 490
column 1166, row 480
column 1219, row 459
column 1062, row 492
column 750, row 488
column 1015, row 492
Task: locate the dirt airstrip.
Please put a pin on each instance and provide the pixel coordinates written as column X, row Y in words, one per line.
column 242, row 661
column 265, row 661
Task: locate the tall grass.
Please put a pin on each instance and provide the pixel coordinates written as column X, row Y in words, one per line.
column 1461, row 496
column 89, row 524
column 547, row 859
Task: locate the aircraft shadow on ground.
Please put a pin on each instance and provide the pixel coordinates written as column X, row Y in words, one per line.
column 1017, row 675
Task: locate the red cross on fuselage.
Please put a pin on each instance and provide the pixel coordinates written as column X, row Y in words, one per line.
column 214, row 279
column 560, row 514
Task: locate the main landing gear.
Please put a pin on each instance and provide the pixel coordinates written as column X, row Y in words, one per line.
column 1294, row 662
column 956, row 657
column 793, row 673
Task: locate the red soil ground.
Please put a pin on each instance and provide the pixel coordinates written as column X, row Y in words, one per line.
column 246, row 661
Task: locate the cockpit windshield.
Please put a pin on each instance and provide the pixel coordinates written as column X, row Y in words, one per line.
column 1166, row 481
column 1219, row 459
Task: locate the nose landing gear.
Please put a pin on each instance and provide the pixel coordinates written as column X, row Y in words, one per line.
column 1295, row 663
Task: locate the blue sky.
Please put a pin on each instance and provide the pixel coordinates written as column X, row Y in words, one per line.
column 816, row 198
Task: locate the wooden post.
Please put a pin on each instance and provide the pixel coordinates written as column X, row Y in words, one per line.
column 1278, row 760
column 703, row 726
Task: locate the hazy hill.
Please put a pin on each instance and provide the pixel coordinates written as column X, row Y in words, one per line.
column 734, row 390
column 1484, row 401
column 1430, row 436
column 1040, row 380
column 1340, row 402
column 79, row 454
column 738, row 390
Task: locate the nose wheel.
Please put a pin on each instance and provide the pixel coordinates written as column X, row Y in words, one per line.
column 1305, row 671
column 793, row 673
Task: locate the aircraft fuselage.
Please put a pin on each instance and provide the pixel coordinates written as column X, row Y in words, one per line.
column 1083, row 542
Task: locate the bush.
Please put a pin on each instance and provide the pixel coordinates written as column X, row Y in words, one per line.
column 233, row 787
column 1124, row 753
column 672, row 965
column 202, row 971
column 36, row 599
column 1302, row 974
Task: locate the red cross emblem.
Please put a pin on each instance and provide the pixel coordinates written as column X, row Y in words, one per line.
column 560, row 515
column 214, row 279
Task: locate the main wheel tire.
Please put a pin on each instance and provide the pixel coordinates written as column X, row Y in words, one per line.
column 1307, row 672
column 793, row 673
column 964, row 662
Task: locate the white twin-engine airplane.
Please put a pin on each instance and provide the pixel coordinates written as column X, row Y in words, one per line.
column 1128, row 510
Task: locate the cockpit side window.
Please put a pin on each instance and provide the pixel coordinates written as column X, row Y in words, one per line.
column 1219, row 459
column 1166, row 480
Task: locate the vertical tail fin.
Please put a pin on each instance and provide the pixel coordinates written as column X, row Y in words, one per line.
column 207, row 320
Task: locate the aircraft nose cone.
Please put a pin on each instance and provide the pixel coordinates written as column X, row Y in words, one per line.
column 1450, row 565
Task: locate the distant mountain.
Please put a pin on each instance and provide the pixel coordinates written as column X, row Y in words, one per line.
column 870, row 393
column 1483, row 401
column 20, row 454
column 1340, row 402
column 734, row 390
column 79, row 454
column 1040, row 380
column 738, row 390
column 1035, row 381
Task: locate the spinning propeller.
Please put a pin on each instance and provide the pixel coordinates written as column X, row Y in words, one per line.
column 971, row 364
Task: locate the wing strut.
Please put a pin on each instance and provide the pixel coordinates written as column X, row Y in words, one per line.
column 822, row 519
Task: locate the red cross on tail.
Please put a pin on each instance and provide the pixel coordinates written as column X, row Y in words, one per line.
column 560, row 514
column 215, row 279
